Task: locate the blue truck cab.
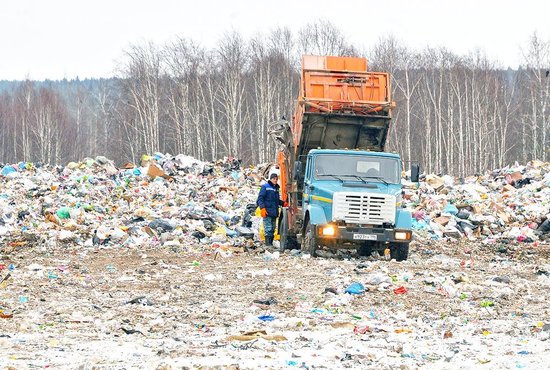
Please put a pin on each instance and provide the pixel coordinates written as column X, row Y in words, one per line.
column 353, row 198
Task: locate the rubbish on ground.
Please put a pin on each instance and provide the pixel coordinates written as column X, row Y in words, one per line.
column 267, row 302
column 400, row 290
column 258, row 334
column 355, row 288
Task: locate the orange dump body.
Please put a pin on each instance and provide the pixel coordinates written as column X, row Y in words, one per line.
column 338, row 97
column 341, row 106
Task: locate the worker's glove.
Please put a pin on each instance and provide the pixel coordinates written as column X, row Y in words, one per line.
column 263, row 212
column 285, row 204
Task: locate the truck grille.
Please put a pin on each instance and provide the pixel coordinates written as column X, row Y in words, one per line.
column 357, row 208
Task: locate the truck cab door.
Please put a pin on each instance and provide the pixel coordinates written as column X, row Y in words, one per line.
column 307, row 185
column 299, row 175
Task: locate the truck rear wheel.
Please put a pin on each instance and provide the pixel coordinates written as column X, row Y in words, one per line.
column 399, row 251
column 287, row 241
column 310, row 243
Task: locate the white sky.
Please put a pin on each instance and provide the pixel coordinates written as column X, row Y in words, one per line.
column 54, row 39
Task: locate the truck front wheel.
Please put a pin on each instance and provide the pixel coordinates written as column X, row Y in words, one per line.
column 399, row 251
column 287, row 241
column 310, row 243
column 365, row 249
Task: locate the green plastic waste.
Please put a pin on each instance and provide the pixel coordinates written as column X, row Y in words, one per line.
column 63, row 213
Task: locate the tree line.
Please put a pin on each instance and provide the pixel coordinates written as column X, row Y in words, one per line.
column 457, row 114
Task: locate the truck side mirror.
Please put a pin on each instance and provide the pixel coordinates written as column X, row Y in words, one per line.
column 297, row 170
column 415, row 172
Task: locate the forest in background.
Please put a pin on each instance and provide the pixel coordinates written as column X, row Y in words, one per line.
column 456, row 114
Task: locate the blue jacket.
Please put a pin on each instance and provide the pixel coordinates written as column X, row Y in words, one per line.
column 270, row 199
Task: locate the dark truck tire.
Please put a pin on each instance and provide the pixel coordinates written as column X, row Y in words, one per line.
column 399, row 251
column 365, row 249
column 310, row 242
column 286, row 241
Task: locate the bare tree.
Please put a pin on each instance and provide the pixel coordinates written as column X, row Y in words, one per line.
column 232, row 61
column 23, row 100
column 185, row 60
column 323, row 38
column 271, row 78
column 537, row 59
column 142, row 82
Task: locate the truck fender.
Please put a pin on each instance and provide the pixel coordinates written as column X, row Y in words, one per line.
column 316, row 214
column 403, row 219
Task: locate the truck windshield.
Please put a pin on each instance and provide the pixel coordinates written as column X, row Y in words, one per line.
column 357, row 167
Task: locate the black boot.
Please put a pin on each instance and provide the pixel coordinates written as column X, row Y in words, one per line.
column 268, row 241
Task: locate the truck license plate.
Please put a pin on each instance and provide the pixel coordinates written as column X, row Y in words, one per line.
column 365, row 237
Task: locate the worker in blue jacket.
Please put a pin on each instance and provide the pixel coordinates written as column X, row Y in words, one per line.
column 269, row 202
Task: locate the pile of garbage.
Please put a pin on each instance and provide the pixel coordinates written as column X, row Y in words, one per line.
column 181, row 202
column 173, row 201
column 511, row 204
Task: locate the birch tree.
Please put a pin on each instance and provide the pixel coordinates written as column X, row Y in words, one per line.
column 323, row 38
column 141, row 81
column 232, row 56
column 537, row 116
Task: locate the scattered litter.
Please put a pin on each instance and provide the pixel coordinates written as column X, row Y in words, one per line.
column 259, row 334
column 164, row 261
column 355, row 288
column 267, row 302
column 400, row 290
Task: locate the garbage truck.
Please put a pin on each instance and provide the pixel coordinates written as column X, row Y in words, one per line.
column 343, row 189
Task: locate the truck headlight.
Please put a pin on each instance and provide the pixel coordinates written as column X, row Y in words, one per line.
column 402, row 235
column 328, row 230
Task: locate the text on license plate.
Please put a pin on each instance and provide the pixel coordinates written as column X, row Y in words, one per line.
column 365, row 236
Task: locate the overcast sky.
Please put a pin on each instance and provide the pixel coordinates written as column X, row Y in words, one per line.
column 57, row 39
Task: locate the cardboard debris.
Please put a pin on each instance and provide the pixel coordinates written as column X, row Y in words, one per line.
column 513, row 177
column 435, row 182
column 442, row 220
column 260, row 334
column 153, row 171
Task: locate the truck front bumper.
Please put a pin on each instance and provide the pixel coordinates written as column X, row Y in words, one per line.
column 358, row 234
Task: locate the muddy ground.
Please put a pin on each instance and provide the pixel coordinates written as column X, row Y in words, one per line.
column 451, row 305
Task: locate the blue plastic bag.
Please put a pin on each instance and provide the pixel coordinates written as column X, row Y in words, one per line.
column 7, row 170
column 223, row 215
column 355, row 288
column 420, row 225
column 230, row 232
column 451, row 209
